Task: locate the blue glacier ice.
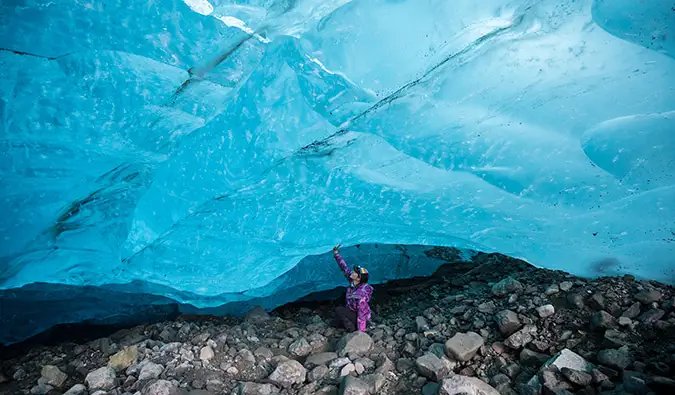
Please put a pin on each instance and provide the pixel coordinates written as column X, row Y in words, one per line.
column 211, row 151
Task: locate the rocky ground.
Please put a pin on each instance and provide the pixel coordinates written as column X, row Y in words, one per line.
column 497, row 326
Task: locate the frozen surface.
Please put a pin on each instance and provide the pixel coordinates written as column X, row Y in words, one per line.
column 203, row 148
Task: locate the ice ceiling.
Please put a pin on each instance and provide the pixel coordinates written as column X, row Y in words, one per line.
column 207, row 147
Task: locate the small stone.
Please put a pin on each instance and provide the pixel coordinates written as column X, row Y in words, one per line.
column 577, row 377
column 101, row 379
column 123, row 359
column 206, row 353
column 634, row 384
column 633, row 311
column 508, row 322
column 648, row 297
column 545, row 310
column 506, row 286
column 458, row 384
column 651, row 316
column 288, row 373
column 618, row 359
column 41, row 389
column 422, row 324
column 566, row 286
column 512, row 370
column 339, row 362
column 318, row 373
column 347, row 369
column 463, row 346
column 355, row 344
column 263, row 353
column 351, row 385
column 299, row 348
column 598, row 377
column 602, row 320
column 53, row 375
column 532, row 358
column 569, row 359
column 614, row 339
column 19, row 374
column 77, row 389
column 150, row 371
column 521, row 338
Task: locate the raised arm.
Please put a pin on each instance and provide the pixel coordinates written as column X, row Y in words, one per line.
column 340, row 261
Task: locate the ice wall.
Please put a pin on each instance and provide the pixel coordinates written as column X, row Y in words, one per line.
column 206, row 147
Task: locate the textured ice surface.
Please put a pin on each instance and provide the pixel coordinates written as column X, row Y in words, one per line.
column 205, row 147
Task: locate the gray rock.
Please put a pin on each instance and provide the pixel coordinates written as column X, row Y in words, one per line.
column 355, row 344
column 77, row 389
column 633, row 311
column 458, row 384
column 566, row 286
column 347, row 369
column 351, row 385
column 288, row 373
column 256, row 315
column 422, row 324
column 20, row 374
column 602, row 320
column 463, row 346
column 625, row 321
column 615, row 339
column 263, row 353
column 596, row 301
column 634, row 384
column 320, row 359
column 569, row 359
column 433, row 367
column 41, row 389
column 160, row 387
column 506, row 286
column 651, row 316
column 150, row 370
column 339, row 362
column 521, row 338
column 532, row 358
column 487, row 307
column 206, row 353
column 256, row 389
column 618, row 359
column 546, row 310
column 575, row 299
column 577, row 377
column 101, row 379
column 648, row 297
column 53, row 375
column 299, row 348
column 508, row 322
column 385, row 367
column 552, row 290
column 318, row 373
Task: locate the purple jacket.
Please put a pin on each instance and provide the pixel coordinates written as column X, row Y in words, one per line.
column 357, row 296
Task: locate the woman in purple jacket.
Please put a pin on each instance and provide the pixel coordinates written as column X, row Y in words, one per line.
column 356, row 314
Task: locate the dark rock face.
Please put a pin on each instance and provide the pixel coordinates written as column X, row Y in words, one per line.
column 496, row 326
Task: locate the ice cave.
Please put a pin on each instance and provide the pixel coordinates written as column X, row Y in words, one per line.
column 209, row 153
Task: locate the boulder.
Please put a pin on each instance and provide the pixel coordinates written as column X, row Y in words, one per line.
column 150, row 370
column 101, row 379
column 508, row 322
column 288, row 373
column 433, row 367
column 651, row 316
column 53, row 375
column 521, row 338
column 458, row 384
column 318, row 373
column 299, row 348
column 123, row 359
column 546, row 310
column 463, row 346
column 77, row 389
column 566, row 286
column 506, row 286
column 617, row 359
column 351, row 385
column 602, row 320
column 648, row 297
column 633, row 311
column 354, row 345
